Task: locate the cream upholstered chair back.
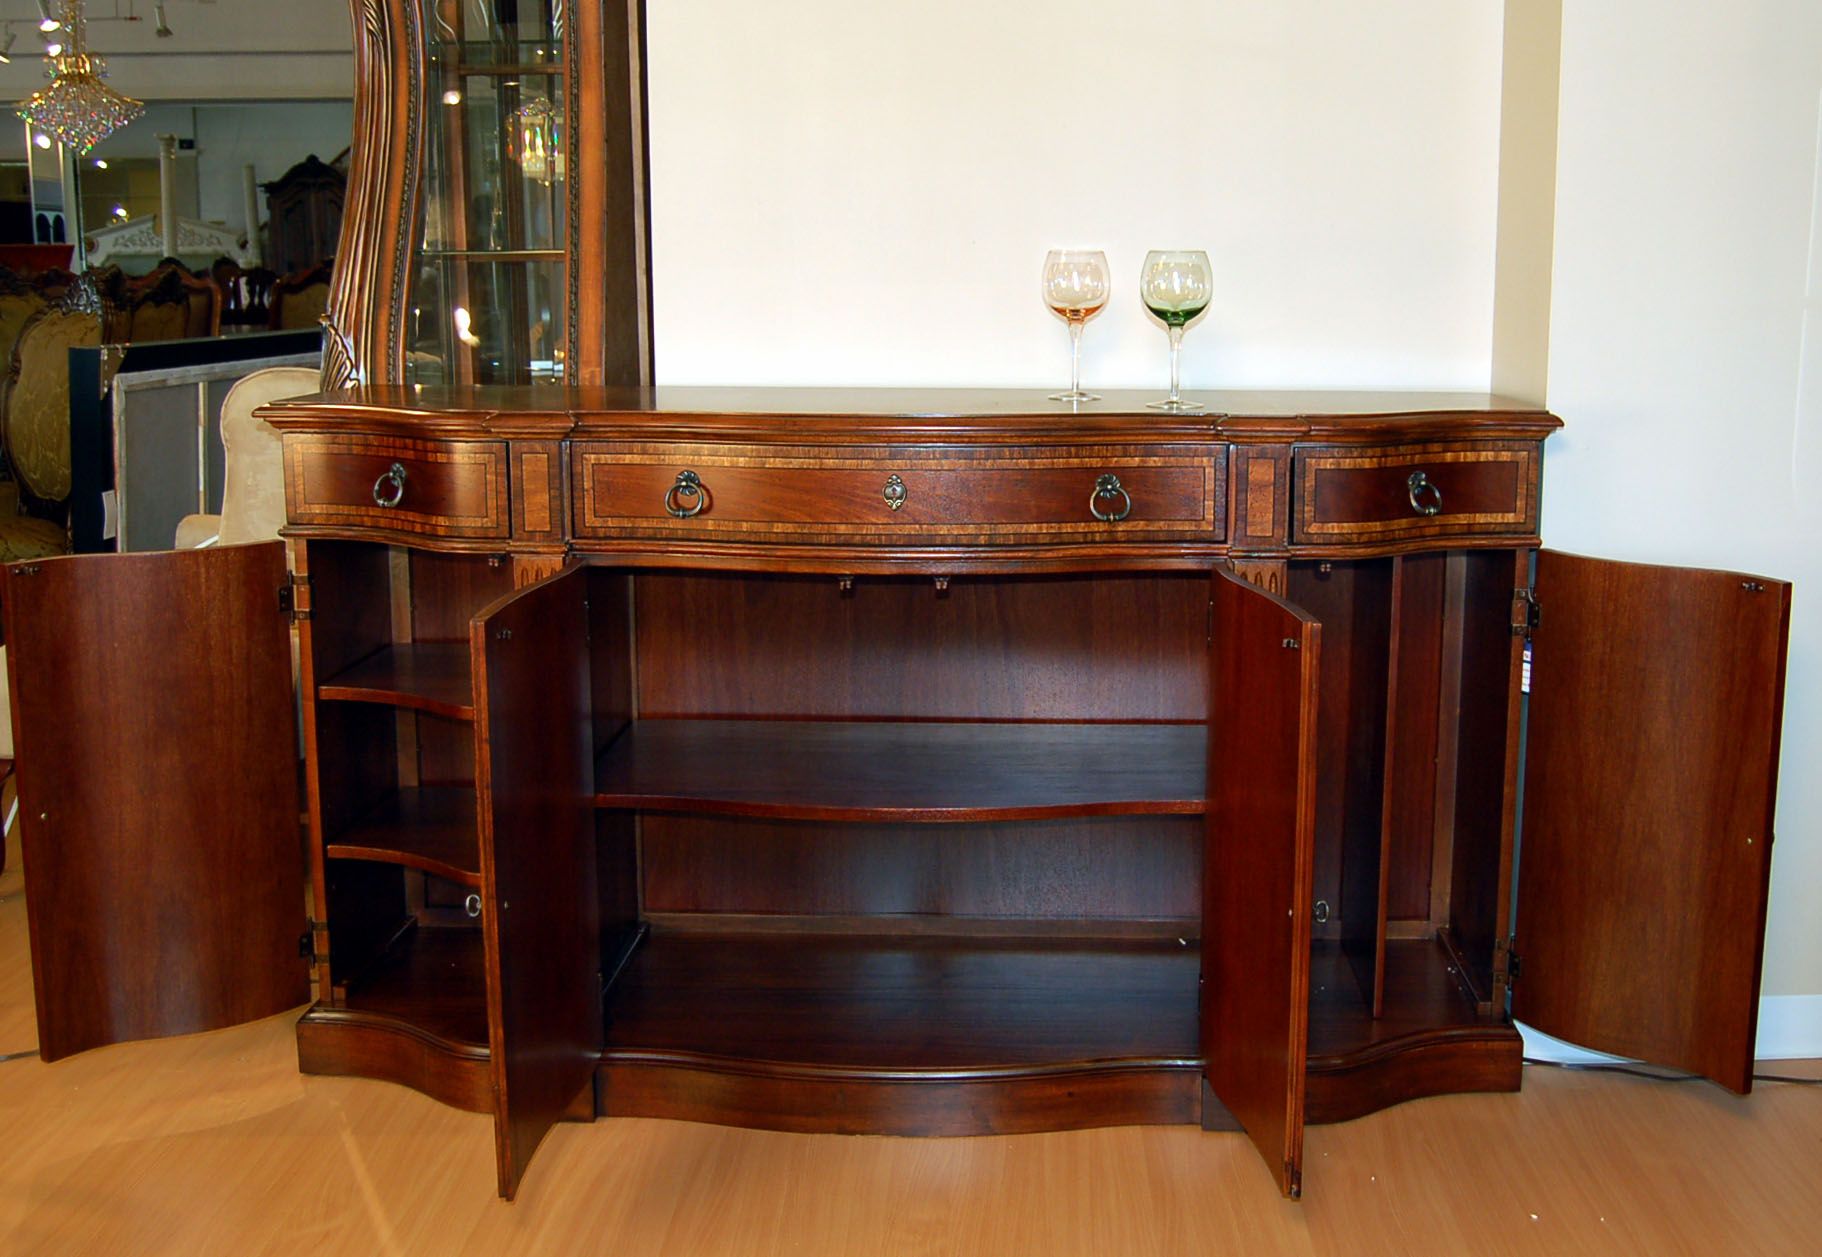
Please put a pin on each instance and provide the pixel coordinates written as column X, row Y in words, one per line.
column 253, row 497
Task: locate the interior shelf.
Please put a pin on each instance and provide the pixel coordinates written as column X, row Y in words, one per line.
column 905, row 771
column 895, row 1005
column 431, row 828
column 434, row 677
column 1423, row 996
column 433, row 979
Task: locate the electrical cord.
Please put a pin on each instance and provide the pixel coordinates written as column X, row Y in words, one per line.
column 1658, row 1075
column 17, row 1056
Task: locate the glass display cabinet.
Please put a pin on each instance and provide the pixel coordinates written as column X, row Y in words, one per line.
column 482, row 248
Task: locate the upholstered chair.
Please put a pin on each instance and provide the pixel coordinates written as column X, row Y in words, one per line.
column 19, row 300
column 171, row 303
column 299, row 299
column 36, row 407
column 253, row 497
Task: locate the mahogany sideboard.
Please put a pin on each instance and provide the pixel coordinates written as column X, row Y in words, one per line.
column 909, row 762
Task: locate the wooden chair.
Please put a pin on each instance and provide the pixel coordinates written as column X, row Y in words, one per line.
column 236, row 302
column 299, row 299
column 258, row 281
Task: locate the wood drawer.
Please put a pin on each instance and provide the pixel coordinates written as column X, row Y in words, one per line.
column 1347, row 494
column 443, row 488
column 961, row 495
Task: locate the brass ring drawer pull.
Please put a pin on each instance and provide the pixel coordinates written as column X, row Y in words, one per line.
column 1421, row 487
column 395, row 477
column 895, row 492
column 689, row 486
column 1107, row 487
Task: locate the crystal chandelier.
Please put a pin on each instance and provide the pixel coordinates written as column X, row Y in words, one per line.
column 77, row 107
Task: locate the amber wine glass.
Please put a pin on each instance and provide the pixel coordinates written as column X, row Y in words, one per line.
column 1076, row 287
column 1175, row 285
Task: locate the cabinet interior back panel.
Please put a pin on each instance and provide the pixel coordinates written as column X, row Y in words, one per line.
column 1106, row 868
column 1090, row 648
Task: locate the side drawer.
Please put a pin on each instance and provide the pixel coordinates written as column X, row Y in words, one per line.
column 892, row 495
column 1348, row 494
column 397, row 484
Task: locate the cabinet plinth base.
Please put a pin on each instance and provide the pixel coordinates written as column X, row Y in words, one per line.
column 362, row 1044
column 1343, row 1087
column 1431, row 1040
column 997, row 1102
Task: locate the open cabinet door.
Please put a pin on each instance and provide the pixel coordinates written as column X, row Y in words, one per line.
column 535, row 781
column 1258, row 868
column 156, row 744
column 1651, row 768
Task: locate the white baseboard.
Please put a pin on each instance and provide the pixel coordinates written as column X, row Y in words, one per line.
column 1790, row 1028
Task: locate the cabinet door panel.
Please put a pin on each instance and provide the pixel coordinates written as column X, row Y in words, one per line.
column 157, row 755
column 534, row 775
column 1651, row 769
column 1257, row 874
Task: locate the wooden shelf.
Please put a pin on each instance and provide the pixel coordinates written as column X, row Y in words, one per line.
column 434, row 677
column 434, row 980
column 920, row 1006
column 430, row 828
column 905, row 771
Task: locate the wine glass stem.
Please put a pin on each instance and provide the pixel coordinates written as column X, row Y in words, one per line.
column 1075, row 355
column 1176, row 345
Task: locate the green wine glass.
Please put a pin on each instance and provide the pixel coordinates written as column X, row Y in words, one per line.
column 1175, row 285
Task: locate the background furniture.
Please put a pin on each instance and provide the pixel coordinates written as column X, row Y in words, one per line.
column 253, row 484
column 145, row 439
column 37, row 388
column 170, row 302
column 303, row 215
column 297, row 301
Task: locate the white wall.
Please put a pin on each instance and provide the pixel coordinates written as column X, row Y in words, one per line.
column 848, row 193
column 1686, row 345
column 863, row 194
column 273, row 135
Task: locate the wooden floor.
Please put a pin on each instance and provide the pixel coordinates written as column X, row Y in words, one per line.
column 214, row 1144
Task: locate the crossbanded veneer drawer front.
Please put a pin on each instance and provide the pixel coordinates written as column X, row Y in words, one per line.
column 1348, row 494
column 949, row 494
column 397, row 484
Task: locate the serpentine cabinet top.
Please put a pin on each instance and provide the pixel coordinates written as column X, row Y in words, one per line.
column 817, row 415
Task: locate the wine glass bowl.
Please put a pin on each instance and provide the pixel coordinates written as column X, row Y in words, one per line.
column 1076, row 288
column 1176, row 285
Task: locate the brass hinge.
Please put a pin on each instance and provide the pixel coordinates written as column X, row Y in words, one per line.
column 306, row 942
column 1525, row 612
column 1506, row 962
column 294, row 598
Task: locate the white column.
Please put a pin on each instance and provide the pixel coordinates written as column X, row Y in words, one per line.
column 73, row 226
column 167, row 193
column 249, row 195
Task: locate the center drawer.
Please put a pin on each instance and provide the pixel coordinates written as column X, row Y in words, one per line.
column 882, row 495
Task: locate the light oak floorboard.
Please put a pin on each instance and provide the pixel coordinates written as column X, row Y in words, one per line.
column 214, row 1144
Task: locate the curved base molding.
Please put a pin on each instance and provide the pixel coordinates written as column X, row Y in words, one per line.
column 1344, row 1086
column 899, row 1102
column 372, row 1045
